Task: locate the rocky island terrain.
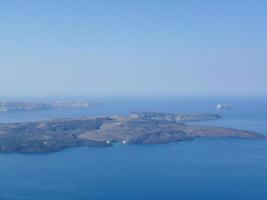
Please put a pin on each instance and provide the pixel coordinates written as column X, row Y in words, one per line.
column 20, row 106
column 136, row 128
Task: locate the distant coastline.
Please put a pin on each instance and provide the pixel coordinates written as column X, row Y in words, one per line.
column 136, row 128
column 24, row 106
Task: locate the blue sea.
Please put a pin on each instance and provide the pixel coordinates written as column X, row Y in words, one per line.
column 204, row 169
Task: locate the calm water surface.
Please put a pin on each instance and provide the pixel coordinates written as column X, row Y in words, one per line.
column 221, row 169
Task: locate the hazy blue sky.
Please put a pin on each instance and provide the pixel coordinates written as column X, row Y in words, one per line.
column 138, row 47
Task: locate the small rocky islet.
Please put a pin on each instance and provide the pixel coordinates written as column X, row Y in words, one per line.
column 136, row 128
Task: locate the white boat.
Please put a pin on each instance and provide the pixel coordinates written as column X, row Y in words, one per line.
column 223, row 107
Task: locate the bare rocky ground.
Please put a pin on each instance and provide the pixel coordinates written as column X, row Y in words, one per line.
column 137, row 128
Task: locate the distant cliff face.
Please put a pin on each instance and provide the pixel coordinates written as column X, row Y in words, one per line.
column 66, row 104
column 36, row 106
column 23, row 106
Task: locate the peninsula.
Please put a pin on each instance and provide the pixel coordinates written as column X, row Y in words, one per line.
column 136, row 128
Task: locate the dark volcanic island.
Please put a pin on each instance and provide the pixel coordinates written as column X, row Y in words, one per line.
column 136, row 128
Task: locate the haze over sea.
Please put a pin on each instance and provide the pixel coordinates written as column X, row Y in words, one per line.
column 151, row 48
column 209, row 169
